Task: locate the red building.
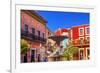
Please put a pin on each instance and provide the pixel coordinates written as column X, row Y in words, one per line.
column 80, row 37
column 64, row 32
column 33, row 31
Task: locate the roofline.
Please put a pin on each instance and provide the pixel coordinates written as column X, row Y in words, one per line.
column 49, row 30
column 35, row 15
column 79, row 25
column 38, row 15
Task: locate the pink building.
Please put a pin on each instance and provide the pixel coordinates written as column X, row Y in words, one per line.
column 33, row 31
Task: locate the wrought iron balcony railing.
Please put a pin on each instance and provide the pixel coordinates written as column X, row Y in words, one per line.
column 32, row 37
column 80, row 43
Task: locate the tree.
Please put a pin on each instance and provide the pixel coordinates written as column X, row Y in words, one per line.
column 69, row 51
column 24, row 46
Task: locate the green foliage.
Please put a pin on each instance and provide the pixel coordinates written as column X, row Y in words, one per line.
column 52, row 48
column 24, row 46
column 68, row 52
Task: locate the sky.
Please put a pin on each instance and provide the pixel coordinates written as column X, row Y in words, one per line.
column 58, row 20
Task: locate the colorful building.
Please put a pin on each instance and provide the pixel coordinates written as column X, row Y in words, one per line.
column 48, row 34
column 80, row 37
column 39, row 38
column 33, row 31
column 60, row 38
column 63, row 32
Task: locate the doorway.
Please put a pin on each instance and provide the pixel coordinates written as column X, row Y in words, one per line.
column 32, row 55
column 25, row 58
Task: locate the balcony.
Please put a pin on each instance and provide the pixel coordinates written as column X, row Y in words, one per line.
column 32, row 37
column 41, row 39
column 80, row 43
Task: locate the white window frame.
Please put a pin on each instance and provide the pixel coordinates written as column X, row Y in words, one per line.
column 83, row 52
column 86, row 52
column 86, row 30
column 80, row 33
column 87, row 37
column 81, row 37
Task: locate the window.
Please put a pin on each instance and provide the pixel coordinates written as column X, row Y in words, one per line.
column 81, row 40
column 81, row 55
column 81, row 31
column 43, row 35
column 88, row 53
column 38, row 33
column 26, row 28
column 32, row 55
column 88, row 38
column 33, row 31
column 87, row 30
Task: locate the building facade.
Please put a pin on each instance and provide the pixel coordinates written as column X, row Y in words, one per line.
column 63, row 32
column 33, row 31
column 37, row 36
column 80, row 37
